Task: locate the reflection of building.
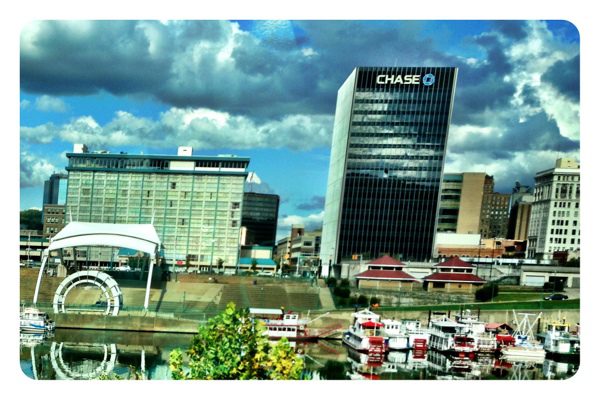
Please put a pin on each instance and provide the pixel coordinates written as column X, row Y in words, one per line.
column 554, row 224
column 388, row 148
column 259, row 216
column 462, row 200
column 193, row 202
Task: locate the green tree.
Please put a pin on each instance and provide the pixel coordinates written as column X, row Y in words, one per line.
column 31, row 219
column 233, row 346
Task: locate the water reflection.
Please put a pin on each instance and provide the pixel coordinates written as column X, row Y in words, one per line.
column 75, row 354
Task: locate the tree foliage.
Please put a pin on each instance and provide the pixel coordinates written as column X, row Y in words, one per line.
column 233, row 346
column 487, row 292
column 31, row 219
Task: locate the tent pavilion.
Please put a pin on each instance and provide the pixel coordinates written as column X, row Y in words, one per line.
column 141, row 237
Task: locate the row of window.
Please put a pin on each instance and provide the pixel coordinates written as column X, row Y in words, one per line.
column 146, row 163
column 563, row 240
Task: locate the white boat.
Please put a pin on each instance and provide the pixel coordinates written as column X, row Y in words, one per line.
column 483, row 341
column 280, row 324
column 366, row 333
column 559, row 342
column 34, row 320
column 449, row 335
column 525, row 347
column 405, row 334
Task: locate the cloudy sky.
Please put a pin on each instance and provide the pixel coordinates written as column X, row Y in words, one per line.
column 267, row 90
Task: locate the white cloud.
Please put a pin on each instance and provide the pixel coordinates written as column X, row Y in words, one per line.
column 200, row 128
column 312, row 220
column 533, row 57
column 34, row 170
column 47, row 103
column 25, row 104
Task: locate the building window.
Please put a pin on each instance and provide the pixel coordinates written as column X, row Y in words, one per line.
column 182, row 221
column 235, row 205
column 173, row 185
column 439, row 285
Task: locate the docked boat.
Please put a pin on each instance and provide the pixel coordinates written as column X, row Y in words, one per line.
column 524, row 347
column 405, row 334
column 483, row 342
column 447, row 335
column 280, row 324
column 35, row 321
column 559, row 343
column 366, row 333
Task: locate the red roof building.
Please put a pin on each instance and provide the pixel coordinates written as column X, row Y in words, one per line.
column 453, row 275
column 385, row 273
column 385, row 262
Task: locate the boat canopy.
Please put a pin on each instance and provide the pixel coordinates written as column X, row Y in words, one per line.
column 371, row 324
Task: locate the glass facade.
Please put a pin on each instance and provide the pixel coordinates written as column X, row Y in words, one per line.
column 260, row 218
column 387, row 157
column 195, row 203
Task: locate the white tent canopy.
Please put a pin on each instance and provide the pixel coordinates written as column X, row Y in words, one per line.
column 141, row 237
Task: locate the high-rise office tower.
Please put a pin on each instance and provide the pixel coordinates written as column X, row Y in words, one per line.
column 55, row 189
column 259, row 216
column 194, row 202
column 389, row 143
column 554, row 224
column 462, row 201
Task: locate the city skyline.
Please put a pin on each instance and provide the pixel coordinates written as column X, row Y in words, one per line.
column 266, row 90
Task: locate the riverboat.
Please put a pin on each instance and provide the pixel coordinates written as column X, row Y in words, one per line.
column 405, row 334
column 483, row 342
column 280, row 324
column 524, row 347
column 35, row 321
column 559, row 343
column 447, row 335
column 366, row 333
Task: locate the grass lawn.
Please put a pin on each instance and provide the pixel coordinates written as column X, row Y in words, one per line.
column 520, row 296
column 495, row 305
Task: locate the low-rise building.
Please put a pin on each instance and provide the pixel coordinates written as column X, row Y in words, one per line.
column 537, row 275
column 453, row 275
column 385, row 273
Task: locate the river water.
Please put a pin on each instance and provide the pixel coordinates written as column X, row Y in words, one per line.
column 86, row 354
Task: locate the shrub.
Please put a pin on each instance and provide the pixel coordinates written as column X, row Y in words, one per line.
column 331, row 282
column 345, row 283
column 373, row 301
column 342, row 292
column 487, row 293
column 557, row 286
column 362, row 300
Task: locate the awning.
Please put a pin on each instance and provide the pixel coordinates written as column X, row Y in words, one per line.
column 371, row 324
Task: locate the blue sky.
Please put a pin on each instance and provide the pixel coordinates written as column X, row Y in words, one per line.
column 267, row 90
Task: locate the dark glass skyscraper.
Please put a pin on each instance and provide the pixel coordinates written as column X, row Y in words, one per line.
column 259, row 216
column 389, row 144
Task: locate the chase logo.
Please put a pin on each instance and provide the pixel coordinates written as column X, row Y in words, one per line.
column 428, row 79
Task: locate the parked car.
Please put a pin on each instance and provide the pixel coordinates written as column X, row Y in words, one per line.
column 556, row 296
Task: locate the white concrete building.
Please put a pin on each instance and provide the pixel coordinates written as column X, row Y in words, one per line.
column 554, row 224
